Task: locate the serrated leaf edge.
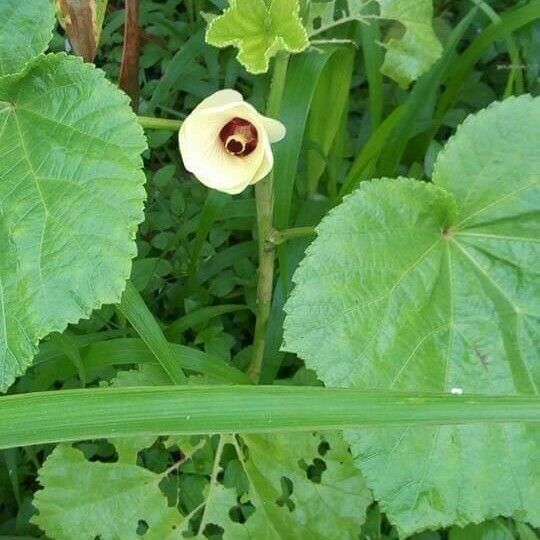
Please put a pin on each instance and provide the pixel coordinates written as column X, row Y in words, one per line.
column 277, row 44
column 120, row 280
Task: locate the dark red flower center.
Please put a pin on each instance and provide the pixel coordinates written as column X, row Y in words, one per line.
column 239, row 137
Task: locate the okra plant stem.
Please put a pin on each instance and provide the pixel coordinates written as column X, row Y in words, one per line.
column 264, row 195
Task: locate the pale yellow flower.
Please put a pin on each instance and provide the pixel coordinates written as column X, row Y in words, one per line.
column 225, row 142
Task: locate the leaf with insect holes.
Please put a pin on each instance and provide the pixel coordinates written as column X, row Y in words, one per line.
column 429, row 287
column 259, row 30
column 84, row 500
column 71, row 198
column 295, row 482
column 26, row 28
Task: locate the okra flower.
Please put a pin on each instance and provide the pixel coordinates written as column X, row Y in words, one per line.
column 225, row 142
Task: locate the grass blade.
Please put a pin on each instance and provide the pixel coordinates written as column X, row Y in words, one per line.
column 213, row 206
column 373, row 54
column 177, row 328
column 132, row 350
column 508, row 22
column 364, row 161
column 87, row 414
column 180, row 67
column 137, row 313
column 305, row 70
column 98, row 355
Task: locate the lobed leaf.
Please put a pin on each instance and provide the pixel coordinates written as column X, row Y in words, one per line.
column 412, row 286
column 71, row 197
column 259, row 30
column 339, row 491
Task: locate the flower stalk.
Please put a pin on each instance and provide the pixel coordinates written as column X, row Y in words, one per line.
column 264, row 196
column 149, row 122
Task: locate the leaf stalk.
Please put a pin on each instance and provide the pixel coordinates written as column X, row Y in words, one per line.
column 150, row 122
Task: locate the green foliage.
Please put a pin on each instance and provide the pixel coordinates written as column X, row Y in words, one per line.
column 415, row 286
column 410, row 55
column 320, row 479
column 411, row 43
column 254, row 498
column 196, row 275
column 25, row 31
column 259, row 30
column 109, row 500
column 283, row 486
column 72, row 198
column 489, row 530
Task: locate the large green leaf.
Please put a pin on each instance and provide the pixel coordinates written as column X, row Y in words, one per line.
column 25, row 31
column 71, row 196
column 259, row 30
column 412, row 286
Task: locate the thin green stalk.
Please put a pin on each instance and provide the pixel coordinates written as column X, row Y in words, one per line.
column 278, row 237
column 149, row 122
column 71, row 415
column 264, row 195
column 216, row 469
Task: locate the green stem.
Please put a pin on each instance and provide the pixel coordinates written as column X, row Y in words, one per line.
column 264, row 195
column 278, row 237
column 71, row 415
column 149, row 122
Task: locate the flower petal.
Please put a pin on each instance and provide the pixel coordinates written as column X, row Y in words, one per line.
column 219, row 98
column 275, row 129
column 266, row 164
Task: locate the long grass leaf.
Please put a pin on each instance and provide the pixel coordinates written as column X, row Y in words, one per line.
column 137, row 313
column 71, row 415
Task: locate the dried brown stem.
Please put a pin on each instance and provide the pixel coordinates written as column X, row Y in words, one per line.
column 129, row 69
